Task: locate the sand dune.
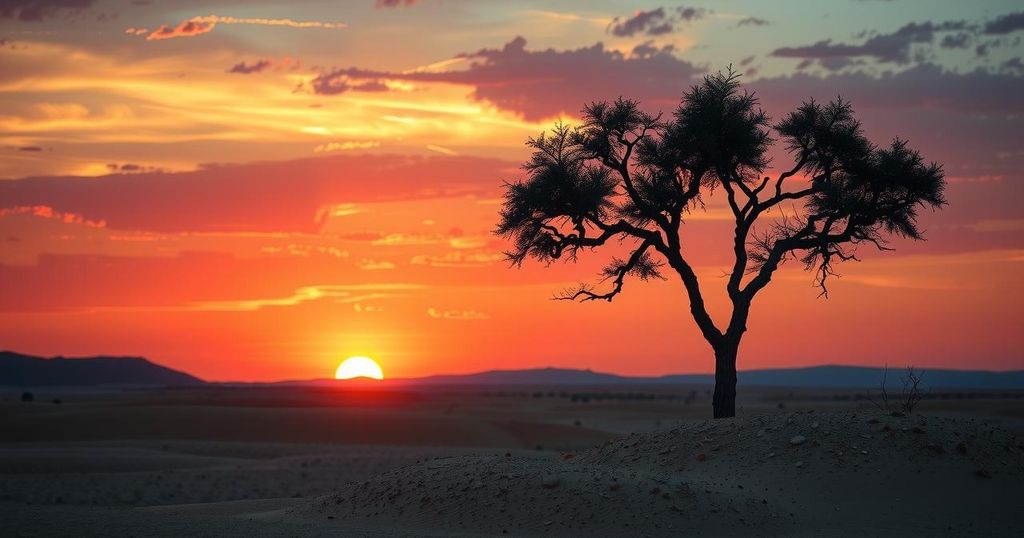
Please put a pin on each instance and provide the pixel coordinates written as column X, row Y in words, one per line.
column 313, row 463
column 800, row 474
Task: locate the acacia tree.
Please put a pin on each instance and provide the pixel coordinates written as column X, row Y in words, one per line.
column 629, row 177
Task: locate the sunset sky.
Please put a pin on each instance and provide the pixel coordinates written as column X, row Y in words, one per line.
column 255, row 190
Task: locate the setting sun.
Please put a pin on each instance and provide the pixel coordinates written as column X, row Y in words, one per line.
column 353, row 367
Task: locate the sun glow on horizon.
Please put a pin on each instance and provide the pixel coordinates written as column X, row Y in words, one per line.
column 359, row 366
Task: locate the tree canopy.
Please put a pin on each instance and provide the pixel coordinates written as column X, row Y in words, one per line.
column 627, row 173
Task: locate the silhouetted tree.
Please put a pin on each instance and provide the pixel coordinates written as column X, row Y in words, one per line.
column 628, row 176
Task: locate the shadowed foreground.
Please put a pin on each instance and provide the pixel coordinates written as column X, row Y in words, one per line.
column 791, row 474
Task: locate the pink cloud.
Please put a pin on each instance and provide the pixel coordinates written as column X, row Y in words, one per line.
column 185, row 29
column 47, row 212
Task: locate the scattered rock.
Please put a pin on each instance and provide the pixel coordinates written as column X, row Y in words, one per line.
column 550, row 482
column 798, row 464
column 702, row 457
column 983, row 473
column 798, row 440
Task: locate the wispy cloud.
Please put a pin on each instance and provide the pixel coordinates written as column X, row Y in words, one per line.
column 243, row 68
column 345, row 146
column 367, row 264
column 459, row 259
column 341, row 293
column 184, row 29
column 442, row 150
column 205, row 24
column 464, row 315
column 47, row 212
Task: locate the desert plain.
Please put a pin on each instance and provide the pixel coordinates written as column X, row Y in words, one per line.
column 497, row 461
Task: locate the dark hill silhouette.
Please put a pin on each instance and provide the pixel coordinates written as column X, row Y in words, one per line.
column 535, row 376
column 829, row 376
column 837, row 376
column 20, row 370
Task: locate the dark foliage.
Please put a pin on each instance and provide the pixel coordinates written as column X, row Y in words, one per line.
column 632, row 177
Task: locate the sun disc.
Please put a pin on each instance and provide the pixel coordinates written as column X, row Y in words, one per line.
column 354, row 367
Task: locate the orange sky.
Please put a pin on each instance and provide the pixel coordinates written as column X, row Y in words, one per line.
column 261, row 192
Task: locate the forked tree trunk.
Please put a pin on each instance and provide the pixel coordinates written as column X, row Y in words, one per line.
column 724, row 401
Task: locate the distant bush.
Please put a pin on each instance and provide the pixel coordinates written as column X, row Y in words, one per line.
column 910, row 395
column 27, row 397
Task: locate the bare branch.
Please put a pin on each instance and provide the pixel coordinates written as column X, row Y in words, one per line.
column 639, row 264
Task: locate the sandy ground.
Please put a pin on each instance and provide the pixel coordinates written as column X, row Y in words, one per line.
column 462, row 465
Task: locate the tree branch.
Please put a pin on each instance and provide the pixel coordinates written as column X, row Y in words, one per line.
column 638, row 263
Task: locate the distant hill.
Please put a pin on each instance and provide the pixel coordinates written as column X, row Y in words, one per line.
column 28, row 371
column 19, row 370
column 833, row 376
column 537, row 376
column 815, row 376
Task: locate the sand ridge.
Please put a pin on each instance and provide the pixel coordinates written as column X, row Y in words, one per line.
column 840, row 474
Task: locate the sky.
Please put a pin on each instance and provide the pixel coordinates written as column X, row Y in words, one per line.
column 255, row 190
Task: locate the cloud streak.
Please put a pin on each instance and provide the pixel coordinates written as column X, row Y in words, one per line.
column 243, row 68
column 205, row 24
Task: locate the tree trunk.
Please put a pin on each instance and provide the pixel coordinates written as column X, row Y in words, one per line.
column 725, row 378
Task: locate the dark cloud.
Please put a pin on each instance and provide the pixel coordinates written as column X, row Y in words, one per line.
column 894, row 47
column 653, row 22
column 544, row 83
column 648, row 49
column 1013, row 65
column 1006, row 24
column 956, row 41
column 395, row 3
column 690, row 13
column 925, row 86
column 753, row 21
column 338, row 82
column 32, row 149
column 243, row 68
column 37, row 10
column 131, row 168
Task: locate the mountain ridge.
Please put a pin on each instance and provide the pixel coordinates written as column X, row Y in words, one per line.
column 21, row 370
